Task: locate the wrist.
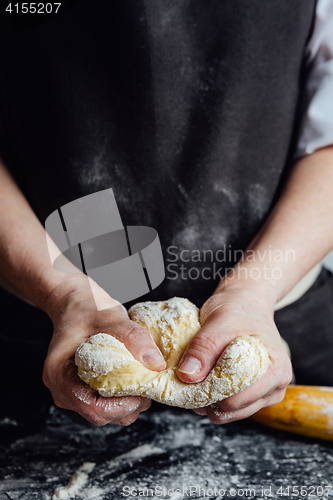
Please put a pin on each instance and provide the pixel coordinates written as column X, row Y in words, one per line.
column 62, row 290
column 81, row 292
column 256, row 279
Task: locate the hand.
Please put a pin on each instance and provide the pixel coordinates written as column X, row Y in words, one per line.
column 75, row 318
column 229, row 313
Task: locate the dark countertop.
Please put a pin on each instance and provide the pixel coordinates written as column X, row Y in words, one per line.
column 165, row 448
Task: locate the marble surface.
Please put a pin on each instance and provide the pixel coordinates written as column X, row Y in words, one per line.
column 165, row 450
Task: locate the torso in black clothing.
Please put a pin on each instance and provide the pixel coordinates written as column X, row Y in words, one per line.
column 186, row 109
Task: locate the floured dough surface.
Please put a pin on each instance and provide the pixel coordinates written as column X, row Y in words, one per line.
column 108, row 367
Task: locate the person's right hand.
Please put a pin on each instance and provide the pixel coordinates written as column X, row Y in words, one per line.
column 75, row 318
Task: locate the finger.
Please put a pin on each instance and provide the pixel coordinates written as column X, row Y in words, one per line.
column 200, row 411
column 262, row 388
column 60, row 402
column 275, row 398
column 228, row 407
column 101, row 411
column 135, row 338
column 114, row 322
column 124, row 417
column 79, row 397
column 126, row 406
column 130, row 418
column 202, row 352
column 218, row 415
column 139, row 342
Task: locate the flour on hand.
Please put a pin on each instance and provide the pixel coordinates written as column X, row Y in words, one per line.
column 108, row 367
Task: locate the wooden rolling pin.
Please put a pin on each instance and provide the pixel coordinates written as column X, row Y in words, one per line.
column 305, row 409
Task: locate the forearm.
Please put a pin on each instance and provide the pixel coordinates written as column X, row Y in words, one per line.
column 69, row 301
column 24, row 257
column 297, row 234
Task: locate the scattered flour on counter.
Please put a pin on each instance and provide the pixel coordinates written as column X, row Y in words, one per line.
column 181, row 437
column 8, row 421
column 138, row 453
column 176, row 496
column 76, row 484
column 93, row 493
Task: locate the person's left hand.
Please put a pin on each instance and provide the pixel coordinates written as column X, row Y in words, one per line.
column 227, row 314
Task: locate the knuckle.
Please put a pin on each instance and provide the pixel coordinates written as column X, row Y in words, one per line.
column 200, row 411
column 278, row 397
column 96, row 419
column 229, row 404
column 285, row 379
column 275, row 398
column 49, row 377
column 111, row 411
column 45, row 379
column 145, row 405
column 209, row 307
column 82, row 395
column 204, row 343
column 127, row 421
column 282, row 373
column 218, row 416
column 61, row 404
column 46, row 376
column 134, row 332
column 283, row 384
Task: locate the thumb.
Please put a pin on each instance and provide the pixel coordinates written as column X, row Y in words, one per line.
column 203, row 351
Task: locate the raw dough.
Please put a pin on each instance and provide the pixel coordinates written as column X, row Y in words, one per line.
column 108, row 367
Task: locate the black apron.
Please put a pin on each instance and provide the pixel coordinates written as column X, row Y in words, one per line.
column 187, row 110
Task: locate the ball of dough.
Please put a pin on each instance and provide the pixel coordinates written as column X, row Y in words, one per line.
column 108, row 367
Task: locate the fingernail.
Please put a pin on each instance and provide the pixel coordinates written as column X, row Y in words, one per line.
column 190, row 366
column 217, row 410
column 152, row 358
